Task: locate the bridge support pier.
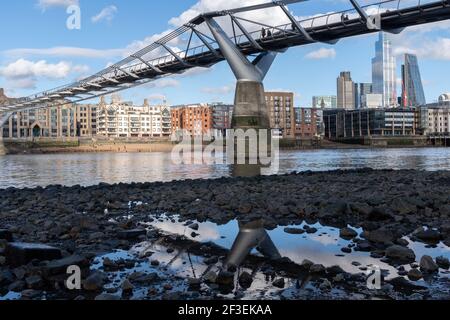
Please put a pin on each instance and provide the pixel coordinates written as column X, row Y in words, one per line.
column 250, row 110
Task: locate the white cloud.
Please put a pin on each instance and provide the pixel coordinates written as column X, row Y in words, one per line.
column 163, row 83
column 67, row 52
column 218, row 90
column 157, row 97
column 322, row 53
column 108, row 13
column 24, row 73
column 45, row 4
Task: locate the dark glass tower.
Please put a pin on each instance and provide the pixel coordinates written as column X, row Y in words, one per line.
column 412, row 88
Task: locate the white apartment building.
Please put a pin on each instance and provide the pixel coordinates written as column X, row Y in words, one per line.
column 123, row 120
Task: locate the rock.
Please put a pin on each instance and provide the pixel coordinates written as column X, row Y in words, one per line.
column 126, row 286
column 107, row 297
column 212, row 260
column 339, row 277
column 60, row 266
column 294, row 231
column 429, row 236
column 380, row 236
column 400, row 253
column 131, row 234
column 6, row 277
column 154, row 263
column 414, row 275
column 334, row 270
column 19, row 253
column 6, row 235
column 17, row 286
column 317, row 268
column 194, row 283
column 363, row 246
column 94, row 282
column 210, row 277
column 379, row 214
column 245, row 280
column 34, row 282
column 307, row 264
column 225, row 278
column 311, row 230
column 325, row 285
column 279, row 283
column 194, row 226
column 346, row 250
column 427, row 265
column 347, row 233
column 30, row 294
column 443, row 262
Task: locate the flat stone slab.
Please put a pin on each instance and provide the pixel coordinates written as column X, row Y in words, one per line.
column 20, row 253
column 60, row 266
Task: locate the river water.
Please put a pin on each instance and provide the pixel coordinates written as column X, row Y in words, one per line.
column 92, row 168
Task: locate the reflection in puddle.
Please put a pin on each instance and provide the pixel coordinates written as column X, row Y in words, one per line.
column 186, row 252
column 322, row 247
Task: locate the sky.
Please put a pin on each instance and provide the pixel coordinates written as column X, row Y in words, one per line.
column 39, row 52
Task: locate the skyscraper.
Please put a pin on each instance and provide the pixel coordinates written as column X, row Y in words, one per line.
column 361, row 89
column 345, row 91
column 383, row 72
column 324, row 102
column 412, row 88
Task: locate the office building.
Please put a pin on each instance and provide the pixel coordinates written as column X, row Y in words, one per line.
column 384, row 71
column 369, row 122
column 361, row 89
column 345, row 92
column 412, row 88
column 281, row 113
column 371, row 101
column 324, row 102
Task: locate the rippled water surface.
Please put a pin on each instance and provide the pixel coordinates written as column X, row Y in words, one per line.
column 90, row 169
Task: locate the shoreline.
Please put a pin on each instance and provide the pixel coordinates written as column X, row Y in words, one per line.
column 387, row 205
column 168, row 147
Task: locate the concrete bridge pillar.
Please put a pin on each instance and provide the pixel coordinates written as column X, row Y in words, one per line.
column 250, row 109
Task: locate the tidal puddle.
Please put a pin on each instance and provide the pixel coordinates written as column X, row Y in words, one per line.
column 322, row 247
column 184, row 254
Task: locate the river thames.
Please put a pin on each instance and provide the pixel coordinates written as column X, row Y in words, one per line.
column 87, row 169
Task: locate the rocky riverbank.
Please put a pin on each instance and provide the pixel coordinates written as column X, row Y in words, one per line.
column 83, row 226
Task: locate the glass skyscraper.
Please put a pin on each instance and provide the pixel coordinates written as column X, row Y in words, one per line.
column 383, row 72
column 412, row 88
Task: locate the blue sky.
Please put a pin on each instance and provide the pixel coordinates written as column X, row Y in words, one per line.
column 38, row 52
